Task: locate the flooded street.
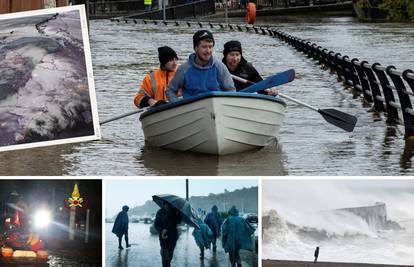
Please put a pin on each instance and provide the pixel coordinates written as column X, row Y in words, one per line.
column 56, row 259
column 122, row 54
column 145, row 250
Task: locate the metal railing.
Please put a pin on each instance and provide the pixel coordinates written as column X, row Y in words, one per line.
column 115, row 7
column 194, row 9
column 385, row 88
column 125, row 7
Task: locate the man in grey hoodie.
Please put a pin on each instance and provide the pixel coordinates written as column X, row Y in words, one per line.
column 202, row 72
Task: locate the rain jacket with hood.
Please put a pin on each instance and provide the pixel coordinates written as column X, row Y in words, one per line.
column 167, row 220
column 121, row 223
column 214, row 221
column 203, row 236
column 236, row 232
column 153, row 86
column 194, row 79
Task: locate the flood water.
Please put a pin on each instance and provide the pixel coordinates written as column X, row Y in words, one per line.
column 122, row 54
column 145, row 250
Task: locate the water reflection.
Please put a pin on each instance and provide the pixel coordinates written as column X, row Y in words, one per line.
column 164, row 162
column 122, row 259
column 406, row 156
column 37, row 161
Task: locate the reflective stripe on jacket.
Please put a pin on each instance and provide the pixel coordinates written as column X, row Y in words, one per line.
column 154, row 86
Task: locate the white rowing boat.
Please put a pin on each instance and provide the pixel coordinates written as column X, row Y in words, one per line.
column 216, row 123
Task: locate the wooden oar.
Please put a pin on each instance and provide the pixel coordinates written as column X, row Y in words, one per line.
column 338, row 118
column 272, row 81
column 123, row 116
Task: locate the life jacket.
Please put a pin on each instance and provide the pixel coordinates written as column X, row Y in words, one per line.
column 154, row 86
column 147, row 2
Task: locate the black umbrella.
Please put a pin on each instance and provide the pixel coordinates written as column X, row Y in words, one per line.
column 187, row 212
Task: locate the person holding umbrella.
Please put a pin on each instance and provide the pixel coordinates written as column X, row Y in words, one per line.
column 166, row 222
column 236, row 235
column 174, row 210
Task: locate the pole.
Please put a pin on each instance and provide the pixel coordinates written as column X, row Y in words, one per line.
column 88, row 211
column 72, row 223
column 186, row 189
column 186, row 196
column 87, row 13
column 225, row 12
column 53, row 196
column 163, row 10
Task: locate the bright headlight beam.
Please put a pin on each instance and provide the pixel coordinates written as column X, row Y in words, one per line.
column 42, row 218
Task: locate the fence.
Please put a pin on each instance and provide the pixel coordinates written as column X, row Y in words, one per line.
column 136, row 9
column 383, row 87
column 198, row 8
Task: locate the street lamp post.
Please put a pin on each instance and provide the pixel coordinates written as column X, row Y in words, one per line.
column 163, row 10
column 88, row 211
column 186, row 189
column 72, row 216
column 225, row 11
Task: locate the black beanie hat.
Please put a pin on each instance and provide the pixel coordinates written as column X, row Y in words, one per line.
column 166, row 54
column 232, row 46
column 202, row 35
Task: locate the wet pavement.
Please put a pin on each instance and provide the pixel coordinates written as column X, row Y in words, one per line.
column 57, row 258
column 145, row 250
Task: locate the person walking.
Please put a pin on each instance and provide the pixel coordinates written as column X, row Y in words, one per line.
column 202, row 236
column 166, row 221
column 214, row 222
column 316, row 254
column 148, row 5
column 120, row 227
column 236, row 235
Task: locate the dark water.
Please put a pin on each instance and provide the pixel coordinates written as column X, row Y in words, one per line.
column 124, row 53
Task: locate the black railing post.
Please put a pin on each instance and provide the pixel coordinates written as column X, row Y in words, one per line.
column 363, row 80
column 405, row 101
column 348, row 71
column 375, row 88
column 409, row 80
column 392, row 112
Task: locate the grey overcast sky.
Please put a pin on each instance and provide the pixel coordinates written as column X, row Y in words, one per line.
column 133, row 192
column 302, row 196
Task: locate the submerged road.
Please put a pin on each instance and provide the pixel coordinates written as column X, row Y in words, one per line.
column 123, row 53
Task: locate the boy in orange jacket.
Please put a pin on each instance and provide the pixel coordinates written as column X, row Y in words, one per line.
column 153, row 86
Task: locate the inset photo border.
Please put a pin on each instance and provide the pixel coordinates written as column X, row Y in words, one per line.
column 47, row 91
